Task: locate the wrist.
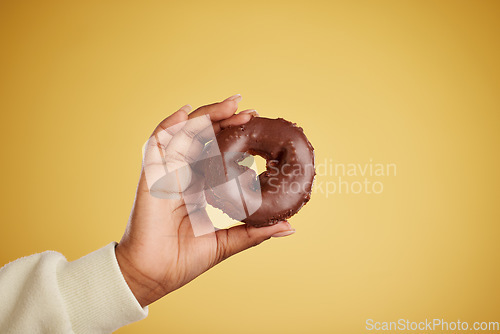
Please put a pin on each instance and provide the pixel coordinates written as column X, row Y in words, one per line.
column 145, row 290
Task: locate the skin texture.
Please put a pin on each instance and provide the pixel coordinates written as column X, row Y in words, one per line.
column 158, row 252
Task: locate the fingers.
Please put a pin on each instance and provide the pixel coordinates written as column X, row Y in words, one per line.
column 185, row 141
column 222, row 114
column 177, row 117
column 218, row 111
column 186, row 145
column 239, row 238
column 239, row 119
column 154, row 154
column 235, row 97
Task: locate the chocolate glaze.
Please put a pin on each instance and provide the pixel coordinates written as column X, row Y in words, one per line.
column 286, row 184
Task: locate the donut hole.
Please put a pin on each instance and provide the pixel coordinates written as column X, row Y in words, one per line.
column 255, row 162
column 260, row 162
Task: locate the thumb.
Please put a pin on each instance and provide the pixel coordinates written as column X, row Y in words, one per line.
column 241, row 237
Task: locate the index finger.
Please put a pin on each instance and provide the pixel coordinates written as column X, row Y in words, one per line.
column 220, row 110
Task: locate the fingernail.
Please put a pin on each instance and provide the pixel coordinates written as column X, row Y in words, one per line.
column 236, row 97
column 252, row 112
column 283, row 234
column 185, row 108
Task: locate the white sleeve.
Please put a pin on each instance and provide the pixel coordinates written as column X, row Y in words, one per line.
column 43, row 293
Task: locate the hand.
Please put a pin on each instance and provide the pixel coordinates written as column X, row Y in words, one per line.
column 158, row 252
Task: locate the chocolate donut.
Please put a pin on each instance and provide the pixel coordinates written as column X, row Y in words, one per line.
column 277, row 193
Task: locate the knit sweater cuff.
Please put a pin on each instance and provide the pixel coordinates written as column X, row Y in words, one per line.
column 96, row 295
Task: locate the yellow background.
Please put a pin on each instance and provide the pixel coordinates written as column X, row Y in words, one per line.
column 414, row 83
